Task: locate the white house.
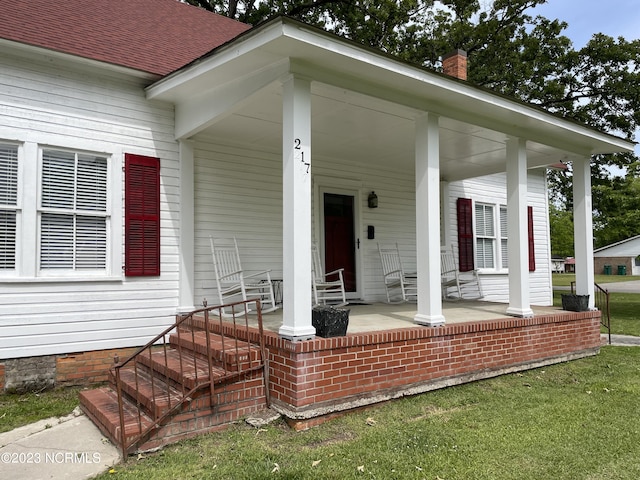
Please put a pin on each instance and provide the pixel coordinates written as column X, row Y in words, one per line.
column 131, row 132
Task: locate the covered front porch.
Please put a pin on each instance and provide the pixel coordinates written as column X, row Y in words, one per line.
column 284, row 115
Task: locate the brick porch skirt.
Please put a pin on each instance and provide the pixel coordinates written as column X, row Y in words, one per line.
column 320, row 377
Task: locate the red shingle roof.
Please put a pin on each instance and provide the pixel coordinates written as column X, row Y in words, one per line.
column 155, row 36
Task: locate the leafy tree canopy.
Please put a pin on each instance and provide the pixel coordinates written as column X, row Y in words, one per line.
column 512, row 52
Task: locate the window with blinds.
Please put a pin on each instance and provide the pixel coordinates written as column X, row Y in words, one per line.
column 73, row 211
column 8, row 205
column 491, row 248
column 485, row 236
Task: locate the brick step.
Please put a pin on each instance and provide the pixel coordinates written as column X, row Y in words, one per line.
column 228, row 353
column 189, row 372
column 229, row 329
column 101, row 405
column 151, row 391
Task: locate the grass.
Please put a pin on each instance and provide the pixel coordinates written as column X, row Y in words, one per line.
column 17, row 410
column 565, row 279
column 576, row 420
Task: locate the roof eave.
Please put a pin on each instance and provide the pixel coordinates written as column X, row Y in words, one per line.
column 399, row 81
column 21, row 48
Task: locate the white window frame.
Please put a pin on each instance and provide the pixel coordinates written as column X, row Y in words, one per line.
column 17, row 208
column 74, row 213
column 496, row 237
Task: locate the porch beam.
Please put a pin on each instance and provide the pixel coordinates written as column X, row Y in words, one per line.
column 296, row 224
column 187, row 229
column 517, row 229
column 203, row 110
column 583, row 228
column 428, row 221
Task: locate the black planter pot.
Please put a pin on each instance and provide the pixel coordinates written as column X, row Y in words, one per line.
column 330, row 321
column 575, row 303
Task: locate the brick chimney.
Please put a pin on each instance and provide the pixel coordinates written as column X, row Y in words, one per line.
column 454, row 64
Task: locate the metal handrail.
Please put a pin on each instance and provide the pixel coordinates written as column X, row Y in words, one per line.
column 231, row 331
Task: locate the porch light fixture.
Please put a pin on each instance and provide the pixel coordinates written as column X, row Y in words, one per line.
column 372, row 200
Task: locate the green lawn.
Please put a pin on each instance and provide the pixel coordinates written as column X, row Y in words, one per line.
column 17, row 410
column 577, row 420
column 565, row 279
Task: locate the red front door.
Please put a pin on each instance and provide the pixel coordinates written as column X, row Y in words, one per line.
column 339, row 237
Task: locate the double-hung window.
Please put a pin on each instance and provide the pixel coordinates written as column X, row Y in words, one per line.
column 8, row 206
column 73, row 212
column 482, row 236
column 485, row 236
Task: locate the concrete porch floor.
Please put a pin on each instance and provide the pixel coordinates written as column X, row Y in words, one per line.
column 382, row 316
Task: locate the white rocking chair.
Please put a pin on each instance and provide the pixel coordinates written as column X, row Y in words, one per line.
column 233, row 283
column 465, row 285
column 326, row 291
column 397, row 282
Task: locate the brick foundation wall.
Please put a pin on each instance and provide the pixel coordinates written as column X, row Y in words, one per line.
column 322, row 376
column 86, row 368
column 29, row 374
column 47, row 371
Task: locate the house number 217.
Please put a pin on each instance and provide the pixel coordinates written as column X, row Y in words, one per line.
column 299, row 153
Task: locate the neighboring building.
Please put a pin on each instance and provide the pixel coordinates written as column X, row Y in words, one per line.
column 131, row 132
column 620, row 258
column 557, row 265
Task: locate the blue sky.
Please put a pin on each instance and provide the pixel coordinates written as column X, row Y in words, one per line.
column 586, row 17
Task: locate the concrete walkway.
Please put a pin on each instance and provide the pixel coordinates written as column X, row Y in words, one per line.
column 622, row 287
column 69, row 447
column 621, row 340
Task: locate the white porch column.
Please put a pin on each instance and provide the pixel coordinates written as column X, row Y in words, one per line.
column 517, row 229
column 296, row 222
column 583, row 228
column 428, row 221
column 187, row 228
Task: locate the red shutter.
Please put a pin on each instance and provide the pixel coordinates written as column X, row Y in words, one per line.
column 141, row 215
column 532, row 250
column 465, row 234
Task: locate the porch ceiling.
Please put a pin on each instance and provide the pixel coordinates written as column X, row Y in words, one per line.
column 363, row 106
column 350, row 126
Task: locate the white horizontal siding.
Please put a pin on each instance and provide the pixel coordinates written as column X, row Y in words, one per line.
column 492, row 189
column 239, row 194
column 53, row 103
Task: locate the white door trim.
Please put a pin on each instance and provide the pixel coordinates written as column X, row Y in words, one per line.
column 336, row 186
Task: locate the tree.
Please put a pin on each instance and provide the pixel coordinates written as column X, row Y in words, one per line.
column 561, row 225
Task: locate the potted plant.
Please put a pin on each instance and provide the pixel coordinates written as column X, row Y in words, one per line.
column 330, row 321
column 575, row 303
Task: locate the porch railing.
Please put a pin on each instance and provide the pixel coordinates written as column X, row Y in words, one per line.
column 149, row 367
column 601, row 302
